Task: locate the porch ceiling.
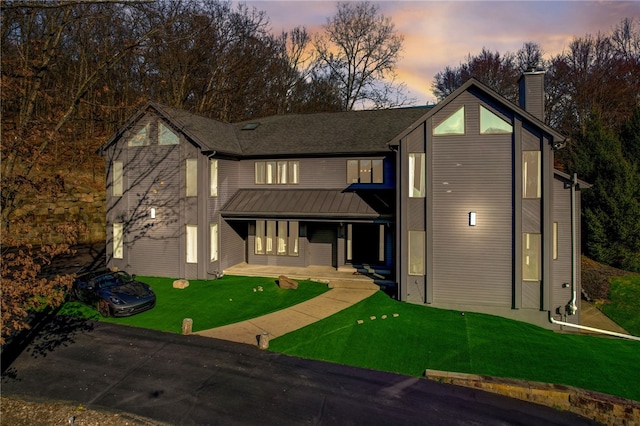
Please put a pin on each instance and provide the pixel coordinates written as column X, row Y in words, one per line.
column 328, row 204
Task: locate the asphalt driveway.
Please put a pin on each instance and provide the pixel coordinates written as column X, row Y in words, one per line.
column 199, row 380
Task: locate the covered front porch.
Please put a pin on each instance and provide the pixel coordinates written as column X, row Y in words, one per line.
column 309, row 228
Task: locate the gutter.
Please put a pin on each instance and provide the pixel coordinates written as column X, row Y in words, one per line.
column 596, row 330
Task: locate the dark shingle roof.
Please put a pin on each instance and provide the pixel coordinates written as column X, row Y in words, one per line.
column 338, row 132
column 211, row 134
column 299, row 203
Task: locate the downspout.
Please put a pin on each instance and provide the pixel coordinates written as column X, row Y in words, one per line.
column 572, row 308
column 596, row 330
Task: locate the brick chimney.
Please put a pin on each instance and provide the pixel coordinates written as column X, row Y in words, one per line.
column 532, row 92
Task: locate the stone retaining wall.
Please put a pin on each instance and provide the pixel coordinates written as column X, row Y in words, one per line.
column 605, row 409
column 75, row 206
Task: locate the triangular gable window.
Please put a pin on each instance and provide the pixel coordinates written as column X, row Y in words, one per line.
column 141, row 138
column 490, row 123
column 166, row 135
column 453, row 125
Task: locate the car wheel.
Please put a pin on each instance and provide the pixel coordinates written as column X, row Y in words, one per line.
column 103, row 308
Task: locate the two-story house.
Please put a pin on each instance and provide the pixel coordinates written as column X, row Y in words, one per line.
column 459, row 202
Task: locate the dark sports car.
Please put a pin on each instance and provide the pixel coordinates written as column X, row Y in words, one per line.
column 114, row 293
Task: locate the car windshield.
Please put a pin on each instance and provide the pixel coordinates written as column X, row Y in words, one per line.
column 112, row 280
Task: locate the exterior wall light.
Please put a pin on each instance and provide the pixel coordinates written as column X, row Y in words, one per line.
column 472, row 218
column 152, row 214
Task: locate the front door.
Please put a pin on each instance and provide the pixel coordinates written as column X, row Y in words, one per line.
column 367, row 243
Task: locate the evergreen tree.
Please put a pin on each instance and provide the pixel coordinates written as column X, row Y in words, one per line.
column 611, row 207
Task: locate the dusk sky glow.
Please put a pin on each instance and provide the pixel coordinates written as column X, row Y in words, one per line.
column 437, row 33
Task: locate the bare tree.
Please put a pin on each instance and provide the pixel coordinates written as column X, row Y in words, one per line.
column 49, row 76
column 359, row 49
column 498, row 71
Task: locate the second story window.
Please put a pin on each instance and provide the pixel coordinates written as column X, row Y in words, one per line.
column 365, row 171
column 141, row 137
column 531, row 174
column 166, row 135
column 116, row 185
column 277, row 172
column 192, row 177
column 452, row 125
column 213, row 178
column 417, row 187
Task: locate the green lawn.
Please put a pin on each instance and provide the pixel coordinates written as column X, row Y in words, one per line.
column 209, row 303
column 422, row 338
column 624, row 304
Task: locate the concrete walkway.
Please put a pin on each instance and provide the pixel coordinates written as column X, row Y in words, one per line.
column 593, row 317
column 287, row 320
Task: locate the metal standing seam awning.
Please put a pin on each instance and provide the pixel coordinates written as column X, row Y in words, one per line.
column 304, row 204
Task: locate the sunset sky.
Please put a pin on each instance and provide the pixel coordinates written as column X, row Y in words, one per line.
column 437, row 34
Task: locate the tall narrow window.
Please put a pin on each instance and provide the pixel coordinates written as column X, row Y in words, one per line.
column 555, row 240
column 365, row 171
column 294, row 172
column 271, row 237
column 214, row 242
column 282, row 172
column 271, row 172
column 282, row 237
column 416, row 253
column 213, row 178
column 531, row 174
column 260, row 172
column 166, row 136
column 417, row 188
column 353, row 173
column 531, row 257
column 377, row 171
column 293, row 238
column 192, row 243
column 490, row 123
column 192, row 177
column 259, row 241
column 116, row 185
column 452, row 125
column 118, row 241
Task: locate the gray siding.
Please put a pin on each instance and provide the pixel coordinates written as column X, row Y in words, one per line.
column 562, row 272
column 562, row 266
column 146, row 185
column 321, row 249
column 231, row 245
column 471, row 172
